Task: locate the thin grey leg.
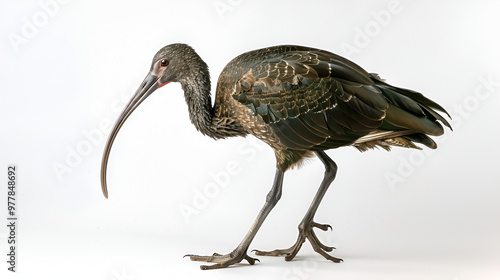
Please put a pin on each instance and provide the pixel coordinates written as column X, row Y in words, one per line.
column 307, row 224
column 240, row 253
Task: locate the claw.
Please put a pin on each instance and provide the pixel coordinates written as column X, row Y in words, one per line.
column 251, row 260
column 323, row 227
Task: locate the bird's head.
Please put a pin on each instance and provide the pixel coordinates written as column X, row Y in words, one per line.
column 170, row 64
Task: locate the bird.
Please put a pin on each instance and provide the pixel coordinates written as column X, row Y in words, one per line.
column 301, row 101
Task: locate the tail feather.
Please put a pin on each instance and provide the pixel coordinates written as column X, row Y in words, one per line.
column 417, row 96
column 409, row 119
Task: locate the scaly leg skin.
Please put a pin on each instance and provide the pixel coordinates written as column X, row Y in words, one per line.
column 239, row 254
column 307, row 225
column 222, row 260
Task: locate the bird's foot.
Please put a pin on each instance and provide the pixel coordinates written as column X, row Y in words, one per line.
column 222, row 261
column 305, row 232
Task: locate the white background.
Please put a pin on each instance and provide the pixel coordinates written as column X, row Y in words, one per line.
column 67, row 68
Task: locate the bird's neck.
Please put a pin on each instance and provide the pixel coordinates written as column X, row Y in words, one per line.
column 196, row 85
column 198, row 98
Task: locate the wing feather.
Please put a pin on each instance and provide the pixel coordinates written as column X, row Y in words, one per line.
column 315, row 100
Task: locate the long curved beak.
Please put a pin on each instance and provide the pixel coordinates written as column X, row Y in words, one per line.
column 147, row 87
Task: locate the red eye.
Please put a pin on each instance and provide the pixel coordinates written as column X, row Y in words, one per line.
column 164, row 62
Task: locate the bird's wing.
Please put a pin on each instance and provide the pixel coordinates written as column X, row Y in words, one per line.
column 313, row 99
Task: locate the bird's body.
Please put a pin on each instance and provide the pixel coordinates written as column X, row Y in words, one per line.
column 299, row 101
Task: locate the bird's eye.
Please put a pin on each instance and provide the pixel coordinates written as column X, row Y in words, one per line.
column 164, row 62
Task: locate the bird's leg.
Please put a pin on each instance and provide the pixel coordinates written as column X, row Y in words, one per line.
column 307, row 224
column 240, row 253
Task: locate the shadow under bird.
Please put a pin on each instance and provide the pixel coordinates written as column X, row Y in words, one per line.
column 300, row 101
